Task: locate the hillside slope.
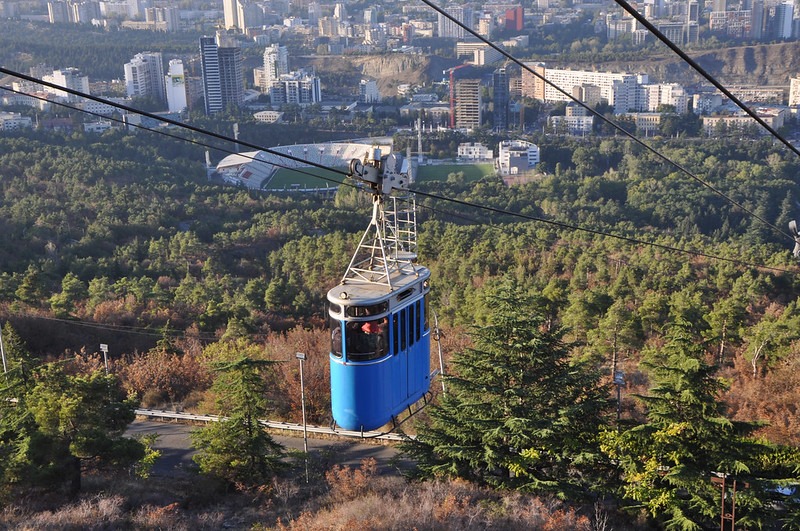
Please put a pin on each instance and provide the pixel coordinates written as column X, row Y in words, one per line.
column 389, row 69
column 765, row 64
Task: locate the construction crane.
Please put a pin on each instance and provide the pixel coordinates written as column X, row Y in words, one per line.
column 452, row 72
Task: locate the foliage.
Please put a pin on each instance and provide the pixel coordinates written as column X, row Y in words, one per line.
column 237, row 448
column 165, row 375
column 669, row 461
column 517, row 414
column 99, row 53
column 53, row 421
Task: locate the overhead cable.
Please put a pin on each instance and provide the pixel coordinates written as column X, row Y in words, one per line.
column 424, row 194
column 691, row 62
column 616, row 126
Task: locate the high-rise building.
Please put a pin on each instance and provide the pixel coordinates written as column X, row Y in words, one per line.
column 84, row 12
column 230, row 11
column 514, row 19
column 314, row 13
column 175, row 83
column 249, row 15
column 617, row 89
column 501, row 99
column 164, row 17
column 300, row 87
column 223, row 78
column 276, row 63
column 782, row 26
column 340, row 12
column 70, row 78
column 368, row 91
column 58, row 12
column 448, row 28
column 144, row 77
column 794, row 91
column 468, row 103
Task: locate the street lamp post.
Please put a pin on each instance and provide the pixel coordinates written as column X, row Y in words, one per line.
column 302, row 357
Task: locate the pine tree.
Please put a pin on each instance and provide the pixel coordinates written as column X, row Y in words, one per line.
column 52, row 421
column 669, row 461
column 517, row 414
column 237, row 448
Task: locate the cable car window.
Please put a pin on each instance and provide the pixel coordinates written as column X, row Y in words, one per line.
column 396, row 333
column 336, row 337
column 406, row 294
column 403, row 321
column 364, row 311
column 366, row 340
column 411, row 322
column 334, row 308
column 418, row 322
column 425, row 307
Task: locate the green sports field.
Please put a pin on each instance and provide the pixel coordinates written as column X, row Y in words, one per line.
column 312, row 177
column 439, row 172
column 309, row 177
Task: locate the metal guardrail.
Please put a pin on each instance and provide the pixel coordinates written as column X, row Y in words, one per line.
column 190, row 417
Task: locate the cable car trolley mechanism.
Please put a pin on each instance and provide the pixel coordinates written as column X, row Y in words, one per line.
column 380, row 335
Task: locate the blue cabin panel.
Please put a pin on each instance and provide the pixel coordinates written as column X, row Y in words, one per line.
column 379, row 357
column 360, row 398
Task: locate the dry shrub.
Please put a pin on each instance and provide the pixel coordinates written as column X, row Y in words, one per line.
column 175, row 518
column 164, row 374
column 774, row 398
column 368, row 503
column 155, row 517
column 346, row 483
column 95, row 513
column 315, row 343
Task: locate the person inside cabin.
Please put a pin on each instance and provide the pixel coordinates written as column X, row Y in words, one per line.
column 376, row 335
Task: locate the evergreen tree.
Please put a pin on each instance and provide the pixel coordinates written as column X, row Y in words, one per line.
column 669, row 462
column 517, row 414
column 51, row 422
column 237, row 448
column 78, row 418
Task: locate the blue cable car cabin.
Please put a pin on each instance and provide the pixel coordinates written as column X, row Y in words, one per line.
column 380, row 349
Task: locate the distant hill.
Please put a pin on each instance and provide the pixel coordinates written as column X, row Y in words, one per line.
column 764, row 64
column 389, row 69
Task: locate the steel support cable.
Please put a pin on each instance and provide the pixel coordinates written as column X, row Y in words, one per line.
column 627, row 239
column 164, row 119
column 691, row 62
column 184, row 139
column 616, row 126
column 424, row 194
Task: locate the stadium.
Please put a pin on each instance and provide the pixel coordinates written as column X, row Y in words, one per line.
column 262, row 170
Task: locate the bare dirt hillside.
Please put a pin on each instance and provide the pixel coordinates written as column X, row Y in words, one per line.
column 767, row 64
column 389, row 70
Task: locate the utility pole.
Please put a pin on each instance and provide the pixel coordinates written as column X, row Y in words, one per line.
column 722, row 480
column 104, row 350
column 3, row 353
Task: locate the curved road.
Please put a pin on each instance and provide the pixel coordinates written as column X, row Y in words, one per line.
column 176, row 449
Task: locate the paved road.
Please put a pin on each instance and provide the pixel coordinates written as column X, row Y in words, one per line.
column 176, row 449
